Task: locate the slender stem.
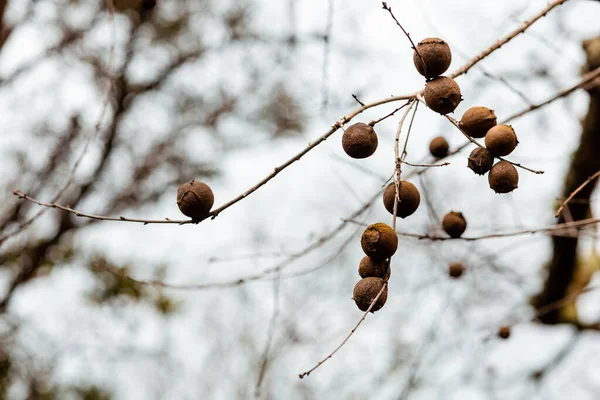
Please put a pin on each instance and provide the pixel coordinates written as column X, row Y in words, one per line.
column 584, row 184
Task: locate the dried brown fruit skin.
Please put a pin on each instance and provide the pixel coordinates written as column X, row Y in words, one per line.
column 480, row 160
column 442, row 95
column 365, row 292
column 501, row 140
column 379, row 241
column 409, row 196
column 438, row 147
column 503, row 177
column 369, row 268
column 504, row 332
column 455, row 270
column 454, row 224
column 195, row 199
column 477, row 121
column 359, row 140
column 436, row 55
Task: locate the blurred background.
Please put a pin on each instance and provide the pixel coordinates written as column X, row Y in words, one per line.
column 109, row 107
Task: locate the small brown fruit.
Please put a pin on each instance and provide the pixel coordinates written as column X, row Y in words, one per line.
column 455, row 270
column 454, row 223
column 480, row 160
column 370, row 268
column 442, row 95
column 409, row 199
column 379, row 241
column 504, row 332
column 366, row 290
column 436, row 56
column 477, row 121
column 195, row 199
column 503, row 177
column 439, row 147
column 501, row 140
column 359, row 140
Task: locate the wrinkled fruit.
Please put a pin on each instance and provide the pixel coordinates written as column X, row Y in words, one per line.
column 359, row 140
column 503, row 177
column 366, row 290
column 480, row 160
column 435, row 54
column 195, row 199
column 370, row 268
column 438, row 147
column 409, row 199
column 379, row 241
column 454, row 224
column 501, row 140
column 477, row 121
column 442, row 95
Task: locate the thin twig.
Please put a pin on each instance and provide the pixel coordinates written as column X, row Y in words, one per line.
column 214, row 213
column 375, row 122
column 584, row 184
column 426, row 165
column 587, row 78
column 385, row 282
column 553, row 229
column 412, row 44
column 524, row 26
column 307, row 373
column 357, row 100
column 270, row 335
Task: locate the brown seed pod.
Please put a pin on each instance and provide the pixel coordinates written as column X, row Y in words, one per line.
column 436, row 55
column 454, row 224
column 503, row 177
column 409, row 199
column 480, row 160
column 501, row 140
column 438, row 147
column 365, row 292
column 371, row 268
column 442, row 95
column 379, row 241
column 195, row 199
column 504, row 332
column 455, row 270
column 477, row 121
column 359, row 140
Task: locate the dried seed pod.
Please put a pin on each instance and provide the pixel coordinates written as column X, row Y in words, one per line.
column 454, row 223
column 371, row 268
column 504, row 332
column 477, row 121
column 436, row 56
column 480, row 160
column 195, row 199
column 438, row 147
column 503, row 177
column 366, row 290
column 379, row 241
column 442, row 95
column 409, row 199
column 501, row 140
column 455, row 270
column 359, row 140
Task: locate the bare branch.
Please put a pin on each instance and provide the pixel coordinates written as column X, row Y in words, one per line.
column 587, row 181
column 524, row 26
